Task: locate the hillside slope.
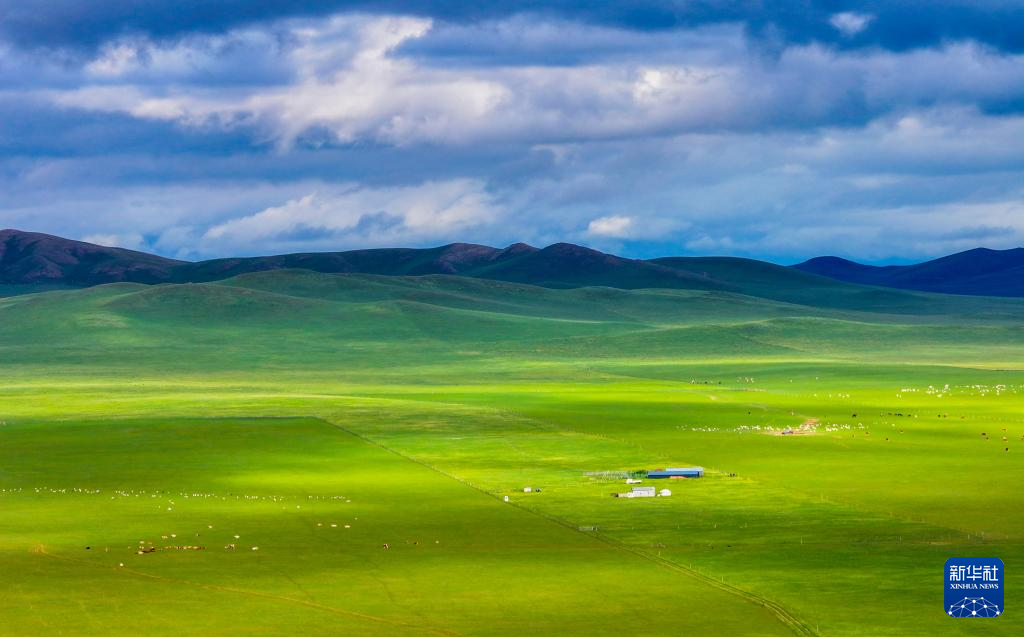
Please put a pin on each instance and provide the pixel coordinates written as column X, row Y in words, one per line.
column 36, row 258
column 356, row 324
column 978, row 272
column 33, row 258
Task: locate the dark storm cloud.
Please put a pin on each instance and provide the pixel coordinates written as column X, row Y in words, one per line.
column 31, row 126
column 781, row 130
column 892, row 25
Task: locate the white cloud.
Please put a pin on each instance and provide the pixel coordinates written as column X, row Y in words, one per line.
column 131, row 241
column 115, row 59
column 907, row 233
column 368, row 216
column 850, row 23
column 783, row 195
column 705, row 244
column 615, row 226
column 346, row 80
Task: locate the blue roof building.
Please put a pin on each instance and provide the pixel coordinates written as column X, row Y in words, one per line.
column 677, row 472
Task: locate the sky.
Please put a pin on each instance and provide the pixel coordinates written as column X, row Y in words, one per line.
column 884, row 131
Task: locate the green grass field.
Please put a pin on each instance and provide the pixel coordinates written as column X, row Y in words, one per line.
column 361, row 433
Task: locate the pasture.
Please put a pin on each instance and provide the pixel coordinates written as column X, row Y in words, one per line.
column 361, row 433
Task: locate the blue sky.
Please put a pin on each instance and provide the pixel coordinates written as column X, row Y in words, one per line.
column 881, row 131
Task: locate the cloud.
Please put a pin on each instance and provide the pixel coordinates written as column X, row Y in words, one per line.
column 362, row 216
column 850, row 23
column 114, row 60
column 285, row 129
column 910, row 24
column 785, row 195
column 353, row 92
column 931, row 230
column 613, row 226
column 346, row 81
column 131, row 241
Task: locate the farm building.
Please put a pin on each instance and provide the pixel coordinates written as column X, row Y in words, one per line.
column 638, row 492
column 677, row 472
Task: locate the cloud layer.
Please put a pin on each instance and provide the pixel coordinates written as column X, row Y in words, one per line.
column 667, row 128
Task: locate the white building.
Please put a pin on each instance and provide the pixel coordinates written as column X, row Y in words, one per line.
column 639, row 492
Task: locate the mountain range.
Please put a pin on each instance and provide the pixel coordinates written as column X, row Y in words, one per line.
column 979, row 271
column 29, row 258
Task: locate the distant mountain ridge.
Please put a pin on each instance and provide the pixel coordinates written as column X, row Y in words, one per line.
column 46, row 260
column 36, row 258
column 33, row 257
column 980, row 271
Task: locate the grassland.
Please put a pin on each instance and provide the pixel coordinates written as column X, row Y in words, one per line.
column 273, row 406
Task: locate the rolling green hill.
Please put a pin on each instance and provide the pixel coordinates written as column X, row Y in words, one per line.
column 313, row 316
column 340, row 448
